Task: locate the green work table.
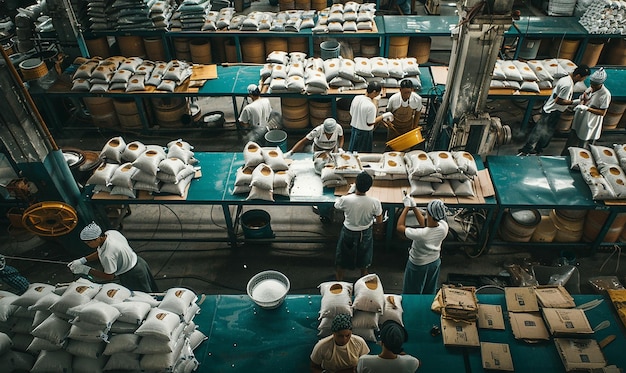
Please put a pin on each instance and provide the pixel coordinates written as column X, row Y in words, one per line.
column 246, row 338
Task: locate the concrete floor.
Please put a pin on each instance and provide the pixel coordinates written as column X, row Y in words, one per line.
column 216, row 268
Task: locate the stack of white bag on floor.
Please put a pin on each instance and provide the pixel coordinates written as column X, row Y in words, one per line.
column 441, row 173
column 87, row 327
column 370, row 309
column 265, row 173
column 602, row 168
column 131, row 167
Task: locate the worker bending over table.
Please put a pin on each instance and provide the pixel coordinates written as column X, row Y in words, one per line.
column 340, row 351
column 256, row 115
column 363, row 111
column 406, row 107
column 117, row 259
column 328, row 136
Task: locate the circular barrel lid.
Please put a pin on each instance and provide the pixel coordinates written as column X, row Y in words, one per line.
column 526, row 217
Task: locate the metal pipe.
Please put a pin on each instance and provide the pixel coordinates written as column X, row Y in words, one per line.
column 34, row 260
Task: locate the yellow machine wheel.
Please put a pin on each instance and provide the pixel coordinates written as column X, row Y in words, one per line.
column 50, row 219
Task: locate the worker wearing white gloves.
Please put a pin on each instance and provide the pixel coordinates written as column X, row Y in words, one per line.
column 364, row 120
column 421, row 275
column 589, row 112
column 406, row 107
column 328, row 136
column 256, row 114
column 117, row 259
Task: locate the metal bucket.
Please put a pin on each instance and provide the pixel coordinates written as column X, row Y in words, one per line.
column 256, row 224
column 329, row 49
column 277, row 138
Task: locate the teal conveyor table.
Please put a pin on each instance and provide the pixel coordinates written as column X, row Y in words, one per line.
column 245, row 338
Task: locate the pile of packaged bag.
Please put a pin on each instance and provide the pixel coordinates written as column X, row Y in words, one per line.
column 264, row 174
column 532, row 75
column 602, row 168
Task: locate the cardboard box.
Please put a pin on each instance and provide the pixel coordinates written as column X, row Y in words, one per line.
column 528, row 325
column 567, row 321
column 490, row 316
column 521, row 299
column 554, row 297
column 496, row 356
column 580, row 354
column 459, row 304
column 459, row 333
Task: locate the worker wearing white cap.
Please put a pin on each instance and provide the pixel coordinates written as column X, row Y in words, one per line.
column 421, row 274
column 256, row 114
column 328, row 136
column 589, row 112
column 117, row 259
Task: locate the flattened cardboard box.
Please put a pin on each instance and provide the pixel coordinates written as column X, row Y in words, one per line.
column 459, row 333
column 528, row 325
column 567, row 321
column 554, row 297
column 521, row 299
column 490, row 316
column 496, row 356
column 462, row 299
column 580, row 354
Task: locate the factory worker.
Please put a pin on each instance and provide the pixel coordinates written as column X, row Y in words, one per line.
column 406, row 107
column 421, row 274
column 328, row 136
column 589, row 112
column 392, row 358
column 117, row 259
column 256, row 114
column 340, row 351
column 561, row 96
column 363, row 111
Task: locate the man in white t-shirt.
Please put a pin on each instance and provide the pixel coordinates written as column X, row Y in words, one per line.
column 328, row 136
column 392, row 358
column 117, row 258
column 256, row 114
column 556, row 104
column 421, row 275
column 589, row 112
column 406, row 107
column 363, row 111
column 339, row 352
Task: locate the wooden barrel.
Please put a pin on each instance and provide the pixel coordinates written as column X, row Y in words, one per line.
column 98, row 47
column 519, row 225
column 369, row 47
column 319, row 110
column 230, row 49
column 594, row 222
column 303, row 4
column 200, row 50
column 355, row 45
column 398, row 46
column 615, row 52
column 8, row 48
column 567, row 230
column 613, row 115
column 419, row 47
column 33, row 68
column 276, row 44
column 131, row 46
column 545, row 231
column 127, row 113
column 564, row 124
column 252, row 50
column 592, row 53
column 298, row 45
column 102, row 111
column 155, row 50
column 319, row 4
column 181, row 46
column 286, row 5
column 169, row 111
column 566, row 49
column 295, row 112
column 343, row 112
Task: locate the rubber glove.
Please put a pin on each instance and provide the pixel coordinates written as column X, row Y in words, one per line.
column 408, row 201
column 288, row 154
column 340, row 151
column 80, row 269
column 352, row 188
column 581, row 108
column 82, row 260
column 387, row 117
column 576, row 102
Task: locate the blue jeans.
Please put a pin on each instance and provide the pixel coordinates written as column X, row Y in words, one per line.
column 542, row 133
column 354, row 248
column 405, row 6
column 360, row 140
column 421, row 279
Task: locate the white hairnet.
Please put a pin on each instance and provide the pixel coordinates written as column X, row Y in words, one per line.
column 91, row 232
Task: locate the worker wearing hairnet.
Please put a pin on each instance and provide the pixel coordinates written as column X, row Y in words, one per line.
column 589, row 112
column 256, row 114
column 117, row 258
column 406, row 107
column 328, row 136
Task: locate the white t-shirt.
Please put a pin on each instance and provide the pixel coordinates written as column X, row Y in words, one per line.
column 376, row 364
column 115, row 254
column 588, row 125
column 358, row 211
column 318, row 136
column 426, row 246
column 395, row 101
column 256, row 113
column 333, row 358
column 564, row 89
column 363, row 111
